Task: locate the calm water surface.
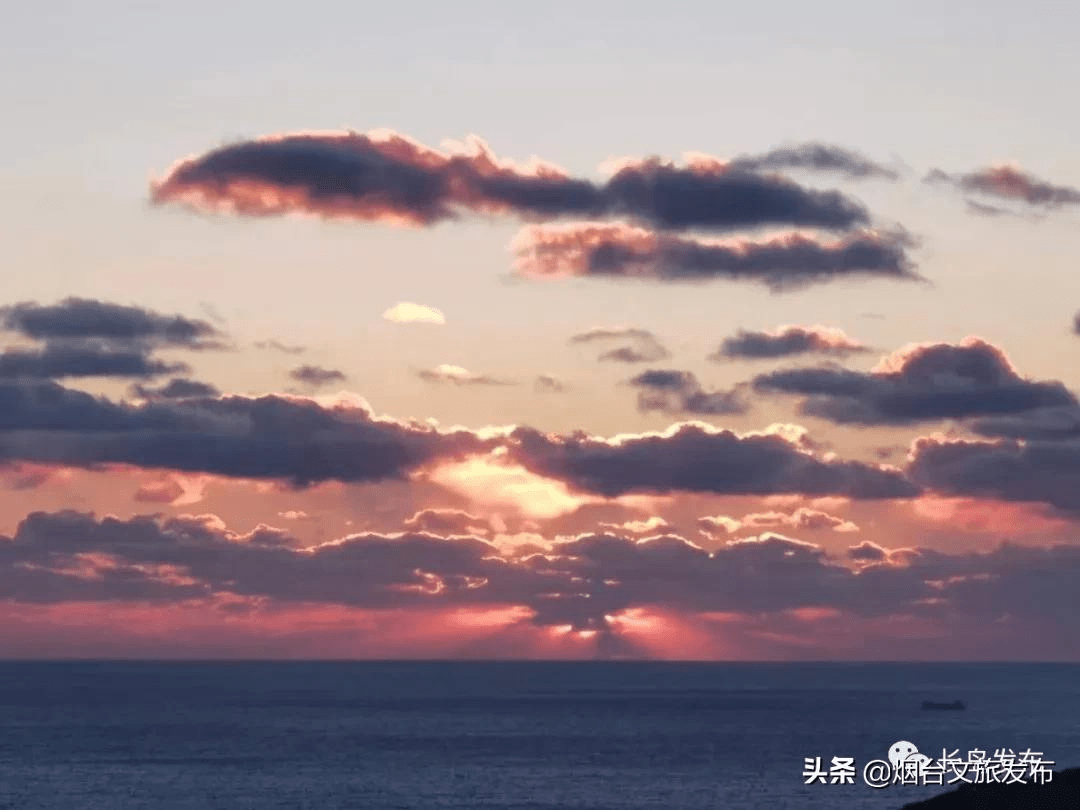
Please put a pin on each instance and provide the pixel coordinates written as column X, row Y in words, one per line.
column 499, row 736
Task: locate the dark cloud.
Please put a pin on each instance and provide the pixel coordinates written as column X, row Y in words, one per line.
column 363, row 570
column 773, row 573
column 1034, row 471
column 82, row 337
column 781, row 263
column 176, row 388
column 1031, row 583
column 300, row 441
column 456, row 375
column 317, row 377
column 384, row 176
column 584, row 582
column 158, row 492
column 278, row 346
column 269, row 437
column 633, row 354
column 613, row 573
column 661, row 195
column 868, row 552
column 64, row 360
column 679, row 392
column 697, row 458
column 984, row 210
column 83, row 319
column 820, row 157
column 1010, row 183
column 549, row 384
column 1043, row 423
column 598, row 333
column 788, row 341
column 586, row 578
column 643, row 346
column 922, row 383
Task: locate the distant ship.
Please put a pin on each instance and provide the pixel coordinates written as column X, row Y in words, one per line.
column 955, row 706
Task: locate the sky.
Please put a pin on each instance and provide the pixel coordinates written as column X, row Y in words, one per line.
column 572, row 331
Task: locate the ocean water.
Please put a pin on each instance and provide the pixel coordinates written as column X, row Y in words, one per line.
column 500, row 736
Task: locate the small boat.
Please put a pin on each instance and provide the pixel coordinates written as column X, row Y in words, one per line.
column 955, row 706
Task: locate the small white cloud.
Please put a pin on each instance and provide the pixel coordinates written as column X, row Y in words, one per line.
column 408, row 312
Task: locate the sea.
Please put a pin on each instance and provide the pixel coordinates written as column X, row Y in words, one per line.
column 503, row 735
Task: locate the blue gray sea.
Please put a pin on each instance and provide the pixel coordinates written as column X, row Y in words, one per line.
column 500, row 736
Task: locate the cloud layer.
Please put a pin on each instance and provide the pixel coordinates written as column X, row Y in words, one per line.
column 785, row 262
column 81, row 337
column 84, row 319
column 693, row 457
column 386, row 176
column 595, row 582
column 303, row 442
column 1035, row 471
column 316, row 376
column 787, row 341
column 679, row 393
column 272, row 437
column 819, row 157
column 176, row 388
column 919, row 384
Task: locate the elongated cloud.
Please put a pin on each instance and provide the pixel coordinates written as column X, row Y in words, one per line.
column 787, row 341
column 593, row 582
column 177, row 388
column 600, row 333
column 642, row 346
column 694, row 457
column 316, row 376
column 278, row 346
column 85, row 319
column 549, row 384
column 818, row 157
column 1011, row 183
column 303, row 442
column 271, row 437
column 1051, row 423
column 679, row 393
column 1036, row 471
column 457, row 375
column 408, row 312
column 802, row 519
column 917, row 384
column 710, row 196
column 984, row 210
column 62, row 360
column 780, row 263
column 388, row 177
column 82, row 337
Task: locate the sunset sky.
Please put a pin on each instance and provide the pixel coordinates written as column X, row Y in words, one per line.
column 594, row 330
